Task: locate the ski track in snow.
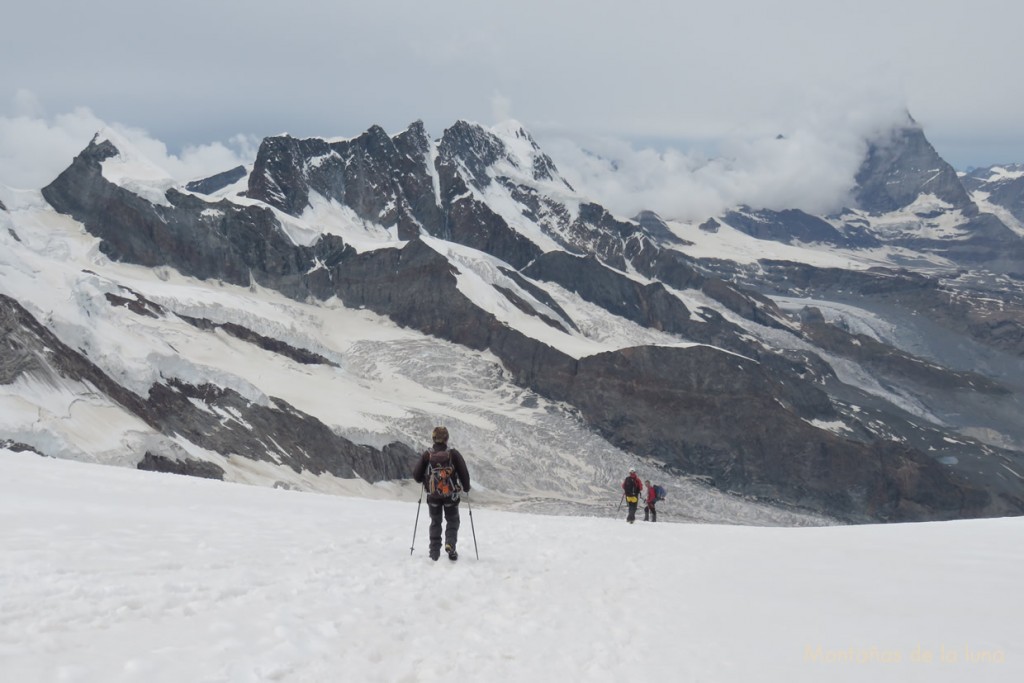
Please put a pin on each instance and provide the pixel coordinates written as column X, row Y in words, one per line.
column 116, row 575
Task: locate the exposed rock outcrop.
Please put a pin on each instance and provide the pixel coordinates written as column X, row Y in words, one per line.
column 227, row 423
column 217, row 182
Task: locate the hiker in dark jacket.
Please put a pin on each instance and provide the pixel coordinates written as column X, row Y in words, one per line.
column 444, row 474
column 652, row 498
column 631, row 489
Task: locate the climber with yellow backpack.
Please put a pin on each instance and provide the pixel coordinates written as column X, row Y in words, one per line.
column 631, row 488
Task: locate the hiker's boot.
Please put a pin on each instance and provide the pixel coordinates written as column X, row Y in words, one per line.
column 450, row 549
column 434, row 554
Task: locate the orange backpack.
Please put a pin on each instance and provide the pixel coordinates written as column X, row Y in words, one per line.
column 441, row 477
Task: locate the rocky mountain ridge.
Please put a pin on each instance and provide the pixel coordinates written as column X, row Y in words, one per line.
column 477, row 240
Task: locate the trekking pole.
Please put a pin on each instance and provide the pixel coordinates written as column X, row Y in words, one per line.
column 620, row 502
column 418, row 505
column 472, row 528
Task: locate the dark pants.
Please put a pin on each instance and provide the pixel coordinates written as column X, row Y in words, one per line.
column 450, row 508
column 630, row 511
column 649, row 511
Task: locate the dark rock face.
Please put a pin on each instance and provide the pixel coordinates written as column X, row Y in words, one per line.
column 135, row 302
column 710, row 225
column 675, row 270
column 657, row 229
column 231, row 243
column 29, row 348
column 230, row 425
column 542, row 296
column 18, row 447
column 469, row 220
column 711, row 413
column 382, row 180
column 670, row 267
column 475, row 224
column 901, row 166
column 216, row 182
column 613, row 241
column 267, row 343
column 477, row 149
column 650, row 305
column 189, row 467
column 789, row 226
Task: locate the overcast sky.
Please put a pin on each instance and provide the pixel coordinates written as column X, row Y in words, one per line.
column 665, row 83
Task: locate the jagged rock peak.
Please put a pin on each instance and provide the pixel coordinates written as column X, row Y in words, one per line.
column 414, row 137
column 124, row 161
column 99, row 149
column 278, row 174
column 480, row 149
column 900, row 166
column 528, row 149
column 386, row 181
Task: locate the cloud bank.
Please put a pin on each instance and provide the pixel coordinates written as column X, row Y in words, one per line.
column 807, row 164
column 36, row 148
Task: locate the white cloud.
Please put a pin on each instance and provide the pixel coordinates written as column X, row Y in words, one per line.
column 644, row 68
column 27, row 104
column 501, row 107
column 34, row 148
column 808, row 164
column 811, row 166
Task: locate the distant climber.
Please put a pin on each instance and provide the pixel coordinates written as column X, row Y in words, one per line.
column 651, row 498
column 631, row 488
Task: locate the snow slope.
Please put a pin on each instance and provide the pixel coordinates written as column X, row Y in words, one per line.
column 111, row 574
column 381, row 388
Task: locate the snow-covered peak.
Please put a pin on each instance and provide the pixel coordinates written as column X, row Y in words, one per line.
column 515, row 135
column 523, row 152
column 1000, row 173
column 131, row 169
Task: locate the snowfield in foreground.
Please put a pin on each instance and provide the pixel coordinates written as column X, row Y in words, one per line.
column 111, row 574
